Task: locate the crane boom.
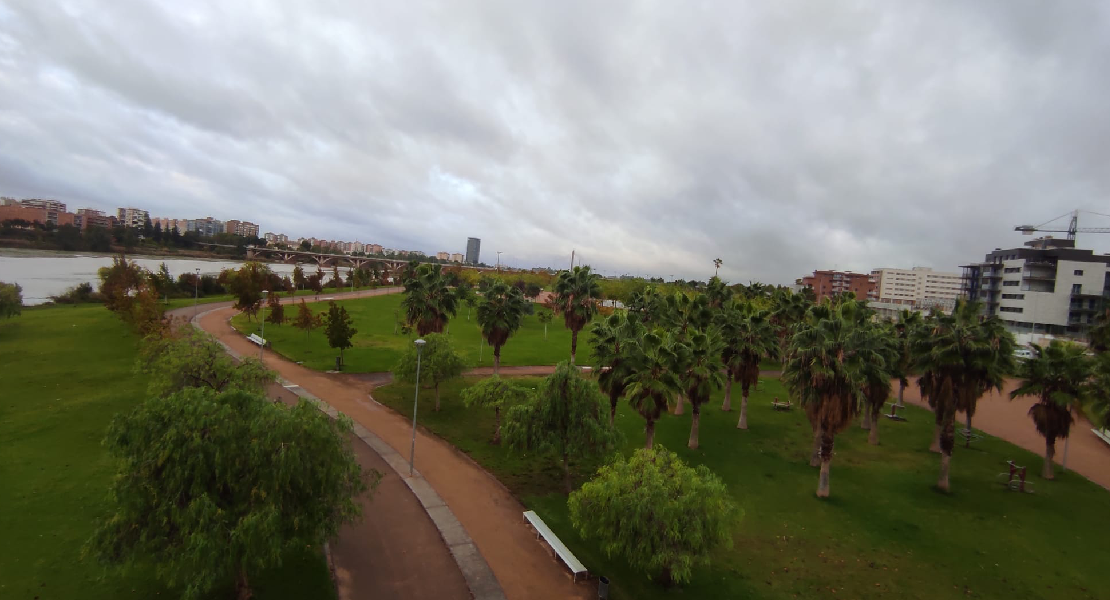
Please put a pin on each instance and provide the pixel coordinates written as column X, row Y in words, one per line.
column 1072, row 229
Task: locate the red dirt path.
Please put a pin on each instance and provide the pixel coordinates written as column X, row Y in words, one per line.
column 490, row 514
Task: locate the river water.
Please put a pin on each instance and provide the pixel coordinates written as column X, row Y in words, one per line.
column 42, row 274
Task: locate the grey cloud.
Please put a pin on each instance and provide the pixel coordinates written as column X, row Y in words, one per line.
column 650, row 136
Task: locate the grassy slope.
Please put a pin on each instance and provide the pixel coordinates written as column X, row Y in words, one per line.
column 64, row 373
column 376, row 348
column 884, row 533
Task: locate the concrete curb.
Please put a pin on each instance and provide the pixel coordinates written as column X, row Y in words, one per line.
column 476, row 571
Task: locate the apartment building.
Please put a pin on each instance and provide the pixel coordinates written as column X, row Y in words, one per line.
column 1048, row 286
column 456, row 257
column 243, row 228
column 443, row 255
column 33, row 214
column 206, row 227
column 919, row 288
column 374, row 249
column 826, row 284
column 55, row 211
column 132, row 217
column 90, row 217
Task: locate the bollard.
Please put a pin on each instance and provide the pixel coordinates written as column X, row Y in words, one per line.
column 603, row 588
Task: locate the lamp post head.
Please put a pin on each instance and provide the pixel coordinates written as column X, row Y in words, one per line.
column 264, row 292
column 419, row 344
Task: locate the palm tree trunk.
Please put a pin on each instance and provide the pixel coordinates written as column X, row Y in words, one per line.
column 1064, row 463
column 967, row 440
column 497, row 424
column 743, row 422
column 901, row 394
column 826, row 460
column 243, row 586
column 935, row 447
column 815, row 457
column 437, row 396
column 649, row 434
column 695, row 418
column 1049, row 453
column 866, row 422
column 573, row 345
column 613, row 399
column 727, row 406
column 566, row 474
column 945, row 462
column 496, row 360
column 873, row 435
column 679, row 405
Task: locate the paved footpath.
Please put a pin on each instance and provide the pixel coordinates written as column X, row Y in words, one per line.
column 485, row 509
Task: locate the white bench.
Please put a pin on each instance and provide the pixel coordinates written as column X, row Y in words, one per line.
column 257, row 340
column 564, row 554
column 1102, row 435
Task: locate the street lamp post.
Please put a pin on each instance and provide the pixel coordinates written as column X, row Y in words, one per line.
column 415, row 402
column 196, row 291
column 498, row 261
column 262, row 346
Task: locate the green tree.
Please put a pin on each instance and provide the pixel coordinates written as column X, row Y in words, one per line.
column 823, row 371
column 652, row 381
column 613, row 340
column 576, row 294
column 544, row 317
column 908, row 322
column 749, row 337
column 162, row 282
column 439, row 362
column 496, row 393
column 305, row 321
column 879, row 362
column 565, row 417
column 700, row 370
column 662, row 516
column 298, row 277
column 717, row 292
column 428, row 303
column 213, row 488
column 275, row 312
column 11, row 299
column 532, row 290
column 338, row 328
column 120, row 283
column 246, row 284
column 500, row 314
column 1058, row 375
column 188, row 358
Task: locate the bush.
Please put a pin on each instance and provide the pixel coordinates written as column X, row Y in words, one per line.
column 82, row 293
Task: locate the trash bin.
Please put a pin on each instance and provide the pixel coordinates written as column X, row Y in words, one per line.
column 603, row 587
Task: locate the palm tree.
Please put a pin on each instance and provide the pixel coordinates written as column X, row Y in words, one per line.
column 717, row 265
column 500, row 314
column 613, row 341
column 700, row 373
column 1099, row 335
column 717, row 292
column 878, row 359
column 823, row 371
column 428, row 302
column 960, row 358
column 749, row 337
column 908, row 322
column 576, row 294
column 1058, row 376
column 652, row 381
column 788, row 309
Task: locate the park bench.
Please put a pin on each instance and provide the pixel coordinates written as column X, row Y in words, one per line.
column 1102, row 434
column 1014, row 479
column 968, row 435
column 893, row 414
column 257, row 340
column 775, row 404
column 564, row 554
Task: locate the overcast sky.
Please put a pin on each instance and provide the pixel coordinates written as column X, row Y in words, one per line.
column 652, row 137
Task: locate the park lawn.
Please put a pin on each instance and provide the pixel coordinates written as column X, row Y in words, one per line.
column 66, row 371
column 379, row 342
column 885, row 532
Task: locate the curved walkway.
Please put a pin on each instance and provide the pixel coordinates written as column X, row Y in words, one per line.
column 486, row 510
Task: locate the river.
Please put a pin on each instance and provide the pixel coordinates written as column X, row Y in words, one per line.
column 42, row 273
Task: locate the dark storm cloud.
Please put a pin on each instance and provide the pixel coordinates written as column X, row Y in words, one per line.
column 650, row 136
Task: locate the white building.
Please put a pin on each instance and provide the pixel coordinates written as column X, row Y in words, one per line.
column 457, row 257
column 1049, row 286
column 132, row 217
column 919, row 288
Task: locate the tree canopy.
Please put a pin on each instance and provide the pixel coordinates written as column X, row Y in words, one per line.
column 496, row 393
column 428, row 303
column 662, row 516
column 576, row 294
column 500, row 315
column 11, row 299
column 190, row 358
column 338, row 327
column 213, row 487
column 439, row 362
column 566, row 416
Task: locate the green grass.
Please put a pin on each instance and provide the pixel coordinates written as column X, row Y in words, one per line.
column 64, row 373
column 377, row 348
column 885, row 532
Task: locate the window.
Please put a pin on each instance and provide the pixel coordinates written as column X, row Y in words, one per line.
column 1077, row 288
column 1013, row 309
column 1012, row 270
column 1013, row 296
column 1078, row 272
column 1010, row 283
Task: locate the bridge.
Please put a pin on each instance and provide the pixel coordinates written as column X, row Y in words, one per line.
column 338, row 260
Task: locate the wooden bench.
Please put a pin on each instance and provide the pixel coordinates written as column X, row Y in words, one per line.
column 257, row 340
column 893, row 414
column 564, row 554
column 775, row 404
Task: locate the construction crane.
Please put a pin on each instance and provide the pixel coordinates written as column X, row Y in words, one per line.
column 1072, row 229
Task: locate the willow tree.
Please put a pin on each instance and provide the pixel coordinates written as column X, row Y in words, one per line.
column 496, row 393
column 566, row 417
column 576, row 296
